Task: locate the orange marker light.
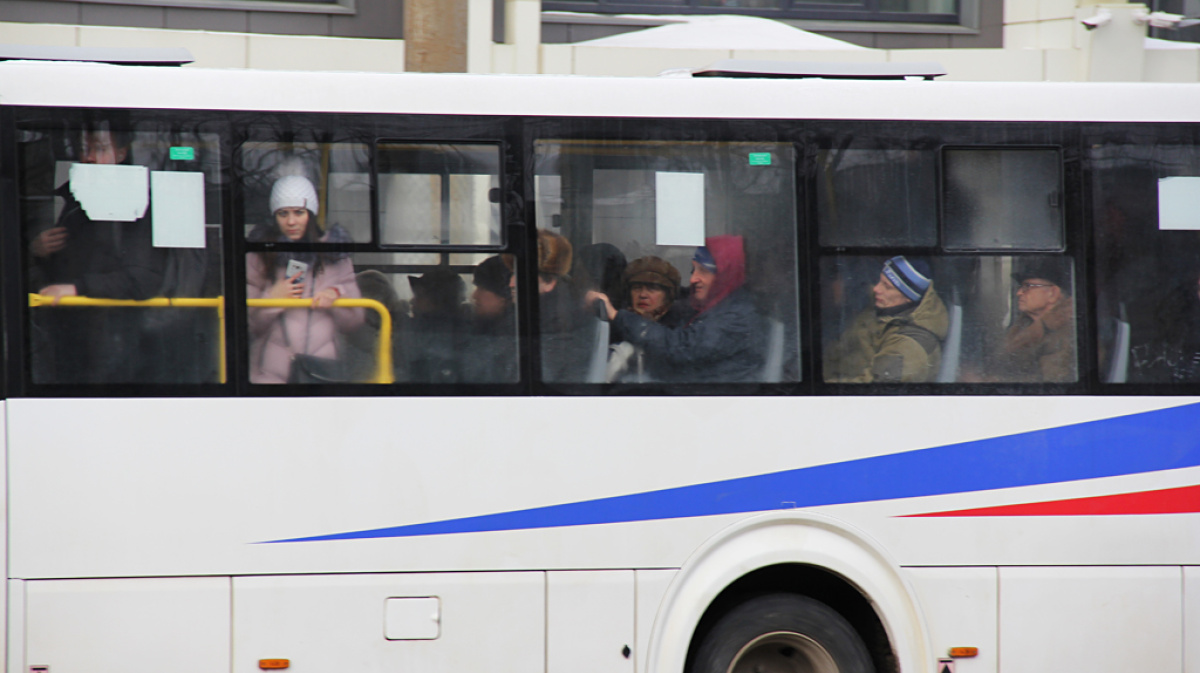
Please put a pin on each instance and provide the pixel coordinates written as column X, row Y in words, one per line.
column 962, row 652
column 273, row 664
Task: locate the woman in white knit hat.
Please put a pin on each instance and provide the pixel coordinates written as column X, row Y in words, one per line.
column 298, row 345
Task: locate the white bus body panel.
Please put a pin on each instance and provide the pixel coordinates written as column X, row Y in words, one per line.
column 169, row 493
column 1191, row 619
column 1108, row 620
column 590, row 621
column 487, row 621
column 962, row 608
column 144, row 625
column 94, row 85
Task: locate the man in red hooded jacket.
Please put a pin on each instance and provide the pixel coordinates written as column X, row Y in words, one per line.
column 723, row 342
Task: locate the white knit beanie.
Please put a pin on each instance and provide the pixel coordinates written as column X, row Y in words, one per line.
column 294, row 191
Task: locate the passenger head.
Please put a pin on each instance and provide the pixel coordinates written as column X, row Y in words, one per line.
column 901, row 282
column 1041, row 284
column 101, row 145
column 492, row 294
column 652, row 285
column 438, row 292
column 554, row 260
column 718, row 268
column 600, row 266
column 294, row 204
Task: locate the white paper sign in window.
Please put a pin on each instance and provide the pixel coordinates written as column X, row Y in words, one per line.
column 1179, row 203
column 679, row 208
column 177, row 209
column 111, row 193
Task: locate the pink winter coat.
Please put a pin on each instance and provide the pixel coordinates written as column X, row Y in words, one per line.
column 310, row 331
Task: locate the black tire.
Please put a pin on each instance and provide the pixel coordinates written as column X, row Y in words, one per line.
column 782, row 633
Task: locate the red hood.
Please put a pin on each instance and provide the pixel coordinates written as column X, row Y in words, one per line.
column 731, row 269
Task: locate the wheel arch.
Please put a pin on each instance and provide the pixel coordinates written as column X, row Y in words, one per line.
column 804, row 553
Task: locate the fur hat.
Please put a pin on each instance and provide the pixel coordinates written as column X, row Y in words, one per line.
column 294, row 191
column 656, row 270
column 554, row 254
column 911, row 277
column 1053, row 269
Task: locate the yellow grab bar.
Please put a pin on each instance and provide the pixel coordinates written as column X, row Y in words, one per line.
column 383, row 364
column 383, row 356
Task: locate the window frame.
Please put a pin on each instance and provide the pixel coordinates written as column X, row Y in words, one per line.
column 336, row 7
column 865, row 10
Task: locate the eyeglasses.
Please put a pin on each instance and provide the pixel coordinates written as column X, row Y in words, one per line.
column 1025, row 287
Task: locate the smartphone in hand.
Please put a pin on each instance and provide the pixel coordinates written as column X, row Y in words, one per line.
column 294, row 267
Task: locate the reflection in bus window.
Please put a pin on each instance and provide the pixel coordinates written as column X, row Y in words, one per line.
column 1002, row 199
column 439, row 193
column 1147, row 256
column 877, row 197
column 452, row 319
column 291, row 344
column 981, row 319
column 112, row 214
column 722, row 215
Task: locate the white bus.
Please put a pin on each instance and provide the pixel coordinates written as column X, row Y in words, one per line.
column 236, row 441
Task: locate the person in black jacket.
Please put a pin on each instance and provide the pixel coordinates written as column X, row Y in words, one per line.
column 82, row 257
column 723, row 342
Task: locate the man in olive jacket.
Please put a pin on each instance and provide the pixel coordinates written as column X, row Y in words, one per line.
column 900, row 339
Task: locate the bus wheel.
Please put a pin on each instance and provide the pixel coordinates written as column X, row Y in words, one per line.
column 782, row 633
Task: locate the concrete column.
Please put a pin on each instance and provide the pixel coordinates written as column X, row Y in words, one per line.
column 1115, row 49
column 435, row 35
column 523, row 30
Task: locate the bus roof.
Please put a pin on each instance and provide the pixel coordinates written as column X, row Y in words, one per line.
column 99, row 85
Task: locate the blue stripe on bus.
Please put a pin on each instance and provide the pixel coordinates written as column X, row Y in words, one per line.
column 1166, row 439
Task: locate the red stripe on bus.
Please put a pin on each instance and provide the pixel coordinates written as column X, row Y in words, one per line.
column 1167, row 501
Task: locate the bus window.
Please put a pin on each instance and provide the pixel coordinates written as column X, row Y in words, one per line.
column 692, row 246
column 439, row 194
column 431, row 318
column 876, row 198
column 1145, row 196
column 1002, row 199
column 944, row 319
column 121, row 220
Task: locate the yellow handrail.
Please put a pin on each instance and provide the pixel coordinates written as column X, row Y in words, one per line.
column 383, row 364
column 383, row 356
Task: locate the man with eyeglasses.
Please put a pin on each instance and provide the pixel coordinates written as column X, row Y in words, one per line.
column 1039, row 347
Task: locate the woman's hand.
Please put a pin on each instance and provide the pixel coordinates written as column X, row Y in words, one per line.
column 59, row 291
column 287, row 288
column 326, row 297
column 591, row 298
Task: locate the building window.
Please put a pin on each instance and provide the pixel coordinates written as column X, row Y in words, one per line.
column 908, row 11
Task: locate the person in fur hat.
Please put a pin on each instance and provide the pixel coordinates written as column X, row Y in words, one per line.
column 278, row 334
column 565, row 333
column 651, row 288
column 1039, row 347
column 723, row 341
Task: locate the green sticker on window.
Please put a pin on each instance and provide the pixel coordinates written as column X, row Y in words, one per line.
column 760, row 158
column 189, row 154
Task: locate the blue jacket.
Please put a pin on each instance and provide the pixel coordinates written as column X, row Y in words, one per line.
column 726, row 343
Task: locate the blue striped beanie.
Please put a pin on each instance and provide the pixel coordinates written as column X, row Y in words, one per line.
column 910, row 277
